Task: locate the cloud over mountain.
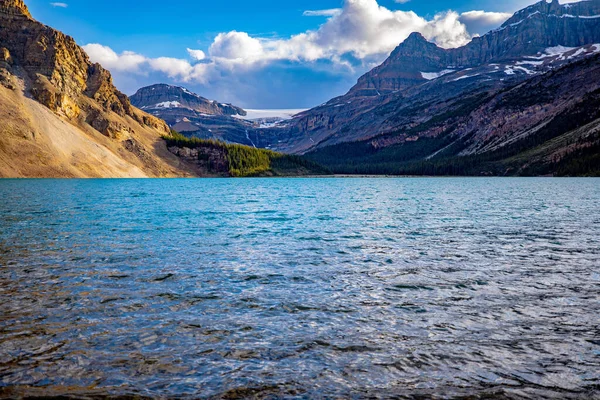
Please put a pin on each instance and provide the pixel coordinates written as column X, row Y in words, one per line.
column 357, row 36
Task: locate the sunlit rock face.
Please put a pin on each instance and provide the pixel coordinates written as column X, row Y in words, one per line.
column 86, row 128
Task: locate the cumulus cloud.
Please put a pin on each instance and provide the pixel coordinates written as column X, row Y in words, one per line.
column 237, row 46
column 126, row 61
column 357, row 36
column 60, row 5
column 480, row 22
column 197, row 55
column 361, row 28
column 322, row 13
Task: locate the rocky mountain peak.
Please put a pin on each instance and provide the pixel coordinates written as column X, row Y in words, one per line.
column 59, row 74
column 14, row 8
column 163, row 96
column 403, row 68
column 415, row 38
column 414, row 46
column 555, row 9
column 528, row 32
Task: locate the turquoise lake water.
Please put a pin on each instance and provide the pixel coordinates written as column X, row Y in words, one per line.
column 300, row 288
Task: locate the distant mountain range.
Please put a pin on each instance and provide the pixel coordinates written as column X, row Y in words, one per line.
column 194, row 116
column 523, row 99
column 538, row 39
column 425, row 103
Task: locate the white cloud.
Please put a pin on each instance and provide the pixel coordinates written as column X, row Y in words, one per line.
column 197, row 55
column 131, row 62
column 322, row 13
column 237, row 46
column 61, row 5
column 361, row 34
column 126, row 61
column 481, row 22
column 362, row 29
column 173, row 67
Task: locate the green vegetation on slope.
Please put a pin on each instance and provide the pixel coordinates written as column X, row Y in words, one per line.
column 244, row 161
column 440, row 155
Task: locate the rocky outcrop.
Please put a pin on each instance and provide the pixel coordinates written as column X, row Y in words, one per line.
column 15, row 8
column 210, row 160
column 59, row 70
column 87, row 121
column 5, row 68
column 161, row 96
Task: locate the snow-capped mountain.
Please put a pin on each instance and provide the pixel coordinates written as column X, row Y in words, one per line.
column 194, row 115
column 161, row 96
column 538, row 39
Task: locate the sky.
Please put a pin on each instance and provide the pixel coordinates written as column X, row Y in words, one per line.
column 265, row 54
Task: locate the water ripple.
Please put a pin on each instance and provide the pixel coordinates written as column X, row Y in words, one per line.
column 300, row 288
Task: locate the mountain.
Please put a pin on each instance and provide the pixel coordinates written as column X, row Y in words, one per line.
column 529, row 32
column 63, row 117
column 195, row 116
column 546, row 125
column 419, row 75
column 167, row 97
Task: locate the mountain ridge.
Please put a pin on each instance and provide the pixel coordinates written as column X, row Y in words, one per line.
column 547, row 125
column 162, row 95
column 86, row 127
column 511, row 41
column 534, row 41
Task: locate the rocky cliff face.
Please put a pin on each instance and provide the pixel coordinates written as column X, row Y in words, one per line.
column 50, row 67
column 16, row 8
column 161, row 96
column 58, row 70
column 196, row 116
column 530, row 31
column 421, row 76
column 546, row 125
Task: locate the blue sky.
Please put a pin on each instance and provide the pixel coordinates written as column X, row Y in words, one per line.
column 260, row 53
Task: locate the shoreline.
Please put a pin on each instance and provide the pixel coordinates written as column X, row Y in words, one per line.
column 303, row 177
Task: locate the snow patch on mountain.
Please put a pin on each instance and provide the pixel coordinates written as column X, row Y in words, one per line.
column 434, row 75
column 283, row 114
column 168, row 104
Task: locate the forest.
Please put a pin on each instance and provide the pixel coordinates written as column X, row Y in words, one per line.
column 245, row 161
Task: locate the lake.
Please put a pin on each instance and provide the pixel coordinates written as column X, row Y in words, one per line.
column 300, row 288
